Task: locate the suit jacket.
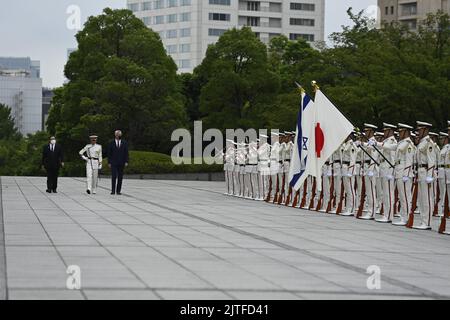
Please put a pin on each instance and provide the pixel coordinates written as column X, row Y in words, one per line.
column 118, row 156
column 52, row 159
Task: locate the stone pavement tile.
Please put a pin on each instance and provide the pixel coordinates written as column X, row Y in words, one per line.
column 340, row 296
column 47, row 294
column 113, row 294
column 263, row 295
column 193, row 295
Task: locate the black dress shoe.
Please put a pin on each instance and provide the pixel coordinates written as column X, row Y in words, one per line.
column 48, row 191
column 54, row 191
column 88, row 191
column 113, row 193
column 119, row 193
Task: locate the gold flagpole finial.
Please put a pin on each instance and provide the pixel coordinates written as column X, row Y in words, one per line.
column 300, row 88
column 315, row 85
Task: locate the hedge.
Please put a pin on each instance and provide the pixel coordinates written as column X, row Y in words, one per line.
column 142, row 162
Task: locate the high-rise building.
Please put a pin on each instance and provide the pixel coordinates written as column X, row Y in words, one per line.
column 47, row 96
column 21, row 90
column 187, row 27
column 410, row 12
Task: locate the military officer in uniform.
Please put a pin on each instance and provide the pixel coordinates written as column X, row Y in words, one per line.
column 404, row 172
column 443, row 155
column 426, row 158
column 348, row 175
column 229, row 166
column 274, row 163
column 251, row 170
column 92, row 154
column 263, row 167
column 337, row 176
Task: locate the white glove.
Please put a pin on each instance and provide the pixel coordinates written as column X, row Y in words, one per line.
column 390, row 177
column 429, row 180
column 371, row 143
column 370, row 174
column 85, row 158
column 405, row 179
column 349, row 175
column 329, row 173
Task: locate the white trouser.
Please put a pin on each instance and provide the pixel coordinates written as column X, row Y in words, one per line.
column 254, row 187
column 350, row 199
column 241, row 184
column 425, row 199
column 371, row 195
column 388, row 187
column 274, row 186
column 230, row 182
column 309, row 190
column 236, row 183
column 264, row 186
column 379, row 192
column 91, row 178
column 337, row 189
column 405, row 197
column 441, row 196
column 326, row 185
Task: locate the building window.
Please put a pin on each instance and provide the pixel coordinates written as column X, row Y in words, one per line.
column 296, row 36
column 220, row 2
column 302, row 22
column 172, row 18
column 386, row 10
column 185, row 16
column 186, row 32
column 303, row 6
column 161, row 34
column 216, row 32
column 170, row 34
column 146, row 6
column 185, row 48
column 159, row 19
column 392, row 10
column 219, row 16
column 172, row 3
column 184, row 64
column 159, row 4
column 147, row 20
column 253, row 21
column 133, row 7
column 171, row 49
column 253, row 6
column 185, row 3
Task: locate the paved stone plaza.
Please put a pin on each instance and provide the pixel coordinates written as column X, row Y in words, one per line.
column 186, row 240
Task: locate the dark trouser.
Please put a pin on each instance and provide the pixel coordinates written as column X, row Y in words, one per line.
column 52, row 179
column 117, row 175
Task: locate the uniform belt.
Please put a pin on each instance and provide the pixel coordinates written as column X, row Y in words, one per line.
column 327, row 163
column 242, row 165
column 423, row 166
column 367, row 162
column 281, row 161
column 93, row 158
column 441, row 166
column 346, row 162
column 288, row 160
column 337, row 161
column 359, row 162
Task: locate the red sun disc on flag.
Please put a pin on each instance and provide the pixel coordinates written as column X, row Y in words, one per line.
column 320, row 139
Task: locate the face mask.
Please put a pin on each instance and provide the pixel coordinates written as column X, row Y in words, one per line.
column 53, row 141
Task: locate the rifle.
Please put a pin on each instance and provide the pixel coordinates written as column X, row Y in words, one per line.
column 341, row 200
column 283, row 191
column 269, row 191
column 297, row 195
column 436, row 204
column 288, row 198
column 305, row 185
column 313, row 194
column 395, row 200
column 383, row 156
column 319, row 203
column 410, row 222
column 444, row 218
column 363, row 197
column 277, row 190
column 332, row 196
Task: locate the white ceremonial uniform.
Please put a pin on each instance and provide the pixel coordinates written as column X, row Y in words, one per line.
column 251, row 170
column 404, row 174
column 444, row 156
column 288, row 150
column 94, row 161
column 229, row 168
column 388, row 148
column 263, row 170
column 337, row 176
column 370, row 174
column 426, row 158
column 348, row 176
column 437, row 149
column 326, row 184
column 274, row 166
column 241, row 153
column 359, row 173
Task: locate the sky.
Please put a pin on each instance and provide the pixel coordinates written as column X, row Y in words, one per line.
column 38, row 29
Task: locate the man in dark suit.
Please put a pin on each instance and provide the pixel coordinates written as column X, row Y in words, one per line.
column 52, row 160
column 117, row 161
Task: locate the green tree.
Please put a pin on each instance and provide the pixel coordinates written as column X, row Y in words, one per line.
column 8, row 129
column 119, row 78
column 236, row 81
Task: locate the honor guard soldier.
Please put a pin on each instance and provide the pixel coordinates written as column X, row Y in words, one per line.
column 443, row 155
column 288, row 151
column 274, row 164
column 337, row 177
column 404, row 172
column 348, row 175
column 426, row 159
column 241, row 158
column 251, row 170
column 263, row 167
column 370, row 171
column 447, row 177
column 229, row 166
column 387, row 152
column 92, row 154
